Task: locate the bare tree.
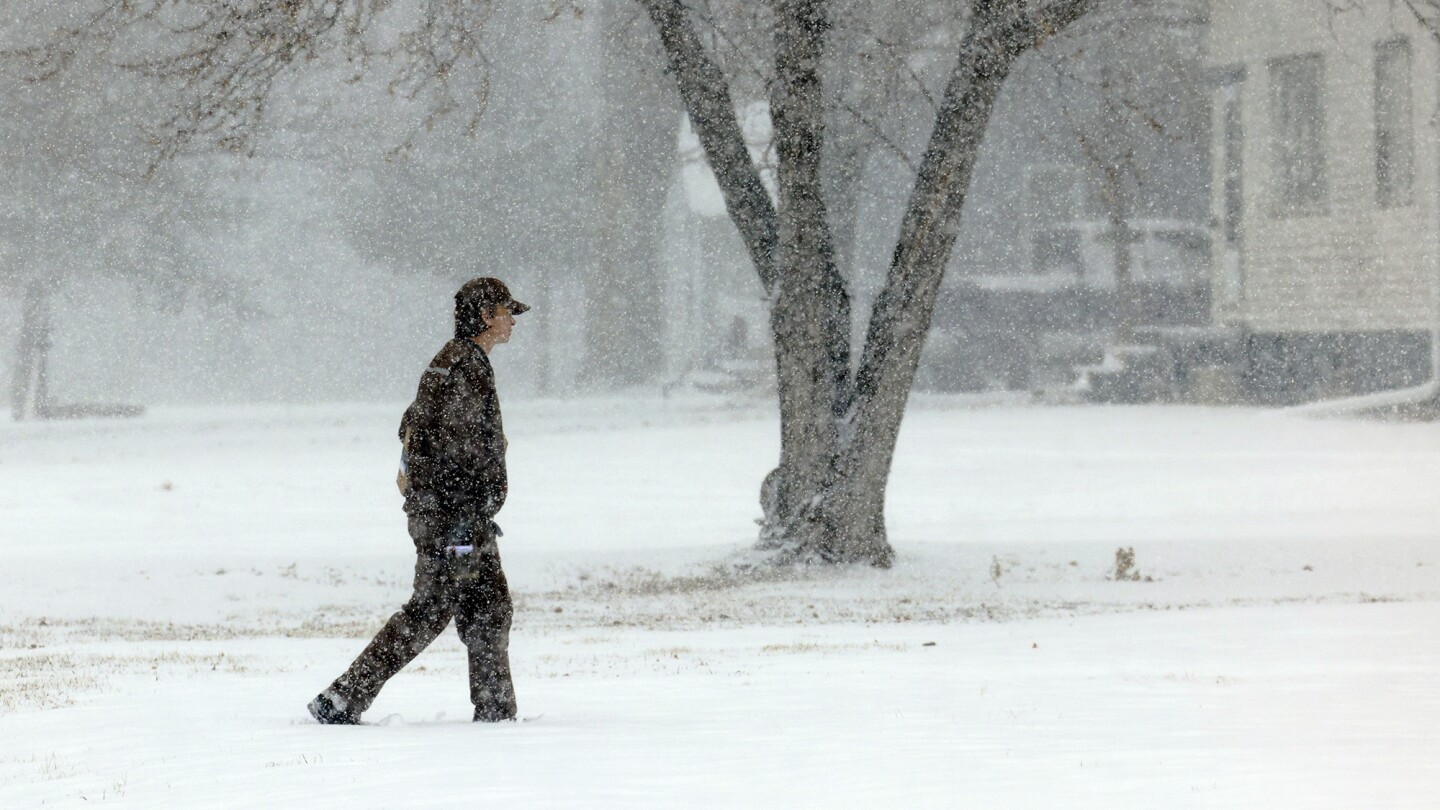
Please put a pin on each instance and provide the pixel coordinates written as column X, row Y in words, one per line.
column 77, row 212
column 840, row 415
column 1129, row 89
column 839, row 427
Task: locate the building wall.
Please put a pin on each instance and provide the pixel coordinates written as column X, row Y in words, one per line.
column 1352, row 266
column 708, row 286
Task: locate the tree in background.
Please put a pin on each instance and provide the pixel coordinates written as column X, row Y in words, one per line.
column 840, row 420
column 77, row 209
column 559, row 186
column 1130, row 94
column 840, row 415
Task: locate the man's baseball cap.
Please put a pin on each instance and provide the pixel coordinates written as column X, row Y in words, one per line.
column 477, row 295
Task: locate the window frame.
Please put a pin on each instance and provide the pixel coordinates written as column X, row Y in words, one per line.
column 1391, row 194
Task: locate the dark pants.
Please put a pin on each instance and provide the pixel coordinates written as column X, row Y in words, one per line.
column 472, row 590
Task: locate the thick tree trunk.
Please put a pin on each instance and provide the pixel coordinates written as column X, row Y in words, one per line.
column 1000, row 32
column 903, row 310
column 811, row 369
column 825, row 502
column 810, row 316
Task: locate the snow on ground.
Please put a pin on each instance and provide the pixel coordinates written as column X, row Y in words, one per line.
column 175, row 588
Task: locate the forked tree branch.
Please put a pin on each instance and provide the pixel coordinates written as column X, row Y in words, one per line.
column 706, row 95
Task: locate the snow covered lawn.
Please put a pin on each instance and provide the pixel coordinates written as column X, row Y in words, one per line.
column 174, row 589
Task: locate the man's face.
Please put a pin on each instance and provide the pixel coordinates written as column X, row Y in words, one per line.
column 499, row 323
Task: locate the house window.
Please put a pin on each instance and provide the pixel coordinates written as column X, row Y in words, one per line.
column 1394, row 125
column 1297, row 117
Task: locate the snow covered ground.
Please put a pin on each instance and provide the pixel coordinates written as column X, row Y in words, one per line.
column 174, row 589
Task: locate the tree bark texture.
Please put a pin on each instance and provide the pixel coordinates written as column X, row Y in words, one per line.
column 706, row 94
column 825, row 501
column 1001, row 30
column 810, row 314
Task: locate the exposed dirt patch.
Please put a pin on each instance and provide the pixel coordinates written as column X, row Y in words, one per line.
column 49, row 680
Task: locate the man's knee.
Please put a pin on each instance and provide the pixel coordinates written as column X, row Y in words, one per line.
column 498, row 611
column 489, row 626
column 428, row 609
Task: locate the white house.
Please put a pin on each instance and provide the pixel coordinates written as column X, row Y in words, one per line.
column 1325, row 192
column 716, row 318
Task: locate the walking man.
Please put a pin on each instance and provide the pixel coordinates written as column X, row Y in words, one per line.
column 452, row 474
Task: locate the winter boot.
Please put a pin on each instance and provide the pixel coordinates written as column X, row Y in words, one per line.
column 330, row 709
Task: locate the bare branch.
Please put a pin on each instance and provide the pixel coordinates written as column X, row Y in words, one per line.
column 1000, row 31
column 225, row 60
column 879, row 134
column 900, row 59
column 712, row 113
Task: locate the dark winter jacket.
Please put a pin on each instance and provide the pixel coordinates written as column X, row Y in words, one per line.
column 454, row 440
